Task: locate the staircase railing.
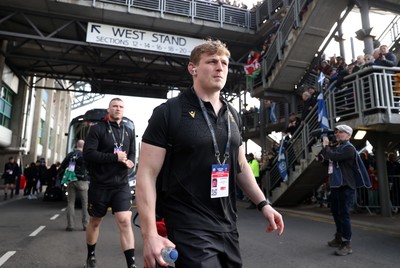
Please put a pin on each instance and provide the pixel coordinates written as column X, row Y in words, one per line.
column 391, row 34
column 298, row 147
column 274, row 52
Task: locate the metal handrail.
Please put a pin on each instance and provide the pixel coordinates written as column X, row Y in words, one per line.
column 392, row 32
column 374, row 89
column 274, row 52
column 297, row 147
column 196, row 9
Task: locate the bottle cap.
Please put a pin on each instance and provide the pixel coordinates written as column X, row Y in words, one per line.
column 173, row 254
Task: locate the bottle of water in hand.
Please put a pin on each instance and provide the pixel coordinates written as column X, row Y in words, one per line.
column 169, row 255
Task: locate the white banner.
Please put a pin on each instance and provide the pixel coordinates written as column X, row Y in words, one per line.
column 140, row 39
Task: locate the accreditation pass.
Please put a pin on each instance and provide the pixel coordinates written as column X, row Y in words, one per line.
column 219, row 180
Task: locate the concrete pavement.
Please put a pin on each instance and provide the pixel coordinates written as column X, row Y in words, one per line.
column 360, row 219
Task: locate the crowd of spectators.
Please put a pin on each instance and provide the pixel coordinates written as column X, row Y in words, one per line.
column 336, row 68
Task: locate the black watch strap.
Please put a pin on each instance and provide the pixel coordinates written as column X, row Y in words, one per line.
column 263, row 204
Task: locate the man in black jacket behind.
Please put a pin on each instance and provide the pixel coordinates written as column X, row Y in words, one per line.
column 109, row 152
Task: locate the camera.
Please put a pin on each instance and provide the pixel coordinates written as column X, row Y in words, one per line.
column 330, row 133
column 319, row 131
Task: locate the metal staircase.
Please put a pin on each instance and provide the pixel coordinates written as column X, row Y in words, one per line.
column 298, row 38
column 367, row 100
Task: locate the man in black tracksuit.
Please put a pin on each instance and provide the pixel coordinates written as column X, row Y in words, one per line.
column 200, row 214
column 109, row 152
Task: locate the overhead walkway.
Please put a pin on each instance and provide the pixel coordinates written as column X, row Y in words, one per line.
column 48, row 39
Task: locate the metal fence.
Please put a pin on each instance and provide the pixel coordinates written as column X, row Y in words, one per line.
column 198, row 9
column 369, row 199
column 373, row 90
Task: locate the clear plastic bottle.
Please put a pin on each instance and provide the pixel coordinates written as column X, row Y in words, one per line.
column 169, row 255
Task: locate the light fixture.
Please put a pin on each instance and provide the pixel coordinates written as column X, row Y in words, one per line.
column 360, row 134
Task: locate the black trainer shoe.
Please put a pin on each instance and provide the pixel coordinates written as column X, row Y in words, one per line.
column 344, row 249
column 69, row 229
column 336, row 242
column 91, row 262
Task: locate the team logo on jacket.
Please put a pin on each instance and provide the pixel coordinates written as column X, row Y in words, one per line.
column 192, row 113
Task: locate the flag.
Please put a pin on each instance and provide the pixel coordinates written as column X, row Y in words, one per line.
column 321, row 78
column 322, row 114
column 282, row 160
column 272, row 114
column 252, row 69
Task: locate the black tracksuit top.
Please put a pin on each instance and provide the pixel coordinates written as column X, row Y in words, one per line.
column 104, row 169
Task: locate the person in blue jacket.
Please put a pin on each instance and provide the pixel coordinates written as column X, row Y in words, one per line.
column 346, row 173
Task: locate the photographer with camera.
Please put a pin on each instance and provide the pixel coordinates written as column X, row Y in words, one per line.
column 385, row 57
column 346, row 173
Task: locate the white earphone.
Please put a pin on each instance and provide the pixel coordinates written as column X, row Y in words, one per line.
column 194, row 70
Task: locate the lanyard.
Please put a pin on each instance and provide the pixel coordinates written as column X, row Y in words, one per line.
column 210, row 127
column 113, row 136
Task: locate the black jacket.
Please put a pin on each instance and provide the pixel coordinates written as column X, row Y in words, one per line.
column 343, row 157
column 11, row 170
column 80, row 165
column 104, row 169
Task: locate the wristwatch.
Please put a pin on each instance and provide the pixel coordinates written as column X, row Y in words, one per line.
column 263, row 204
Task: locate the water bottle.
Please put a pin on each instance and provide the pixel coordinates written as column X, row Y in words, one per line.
column 169, row 255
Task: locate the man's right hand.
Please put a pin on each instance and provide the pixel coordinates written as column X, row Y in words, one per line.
column 325, row 141
column 122, row 156
column 152, row 251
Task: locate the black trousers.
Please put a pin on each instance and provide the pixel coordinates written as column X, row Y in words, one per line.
column 206, row 249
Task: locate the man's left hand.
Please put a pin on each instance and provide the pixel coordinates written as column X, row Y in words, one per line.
column 274, row 218
column 129, row 163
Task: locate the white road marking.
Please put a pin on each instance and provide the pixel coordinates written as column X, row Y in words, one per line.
column 37, row 230
column 54, row 217
column 6, row 256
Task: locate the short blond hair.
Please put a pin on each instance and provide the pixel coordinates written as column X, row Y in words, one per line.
column 209, row 47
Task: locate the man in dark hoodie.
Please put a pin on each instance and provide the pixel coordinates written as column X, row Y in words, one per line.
column 109, row 152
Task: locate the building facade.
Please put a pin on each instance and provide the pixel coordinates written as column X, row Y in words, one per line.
column 33, row 120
